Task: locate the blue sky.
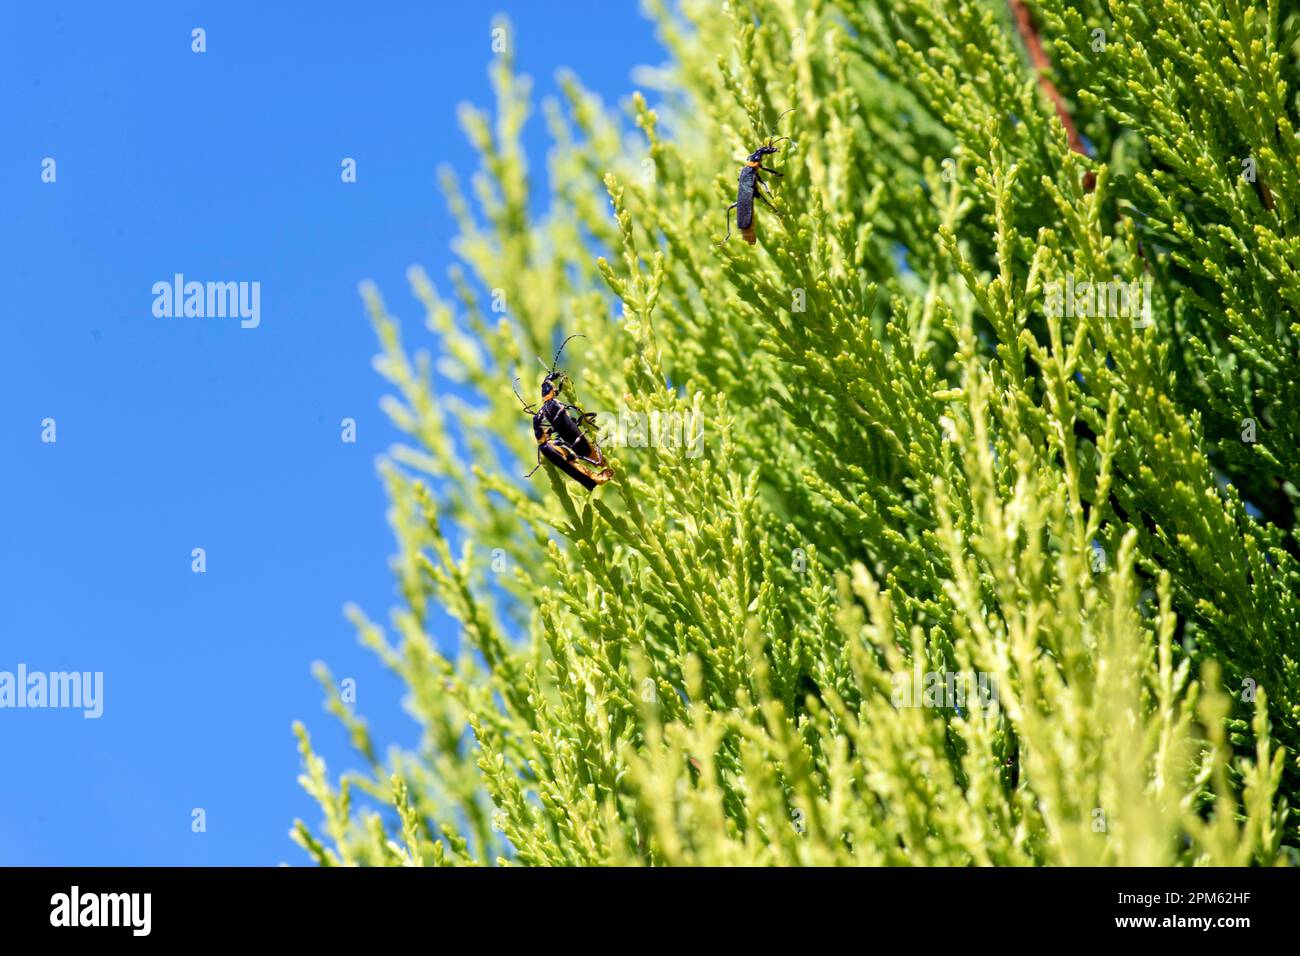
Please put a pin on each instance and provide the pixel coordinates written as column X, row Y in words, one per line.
column 181, row 433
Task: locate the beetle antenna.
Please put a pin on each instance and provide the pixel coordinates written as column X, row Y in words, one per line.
column 773, row 142
column 575, row 335
column 515, row 386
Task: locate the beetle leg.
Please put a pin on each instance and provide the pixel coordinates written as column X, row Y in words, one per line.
column 728, row 235
column 760, row 195
column 598, row 461
column 539, row 461
column 760, row 187
column 772, row 171
column 584, row 418
column 572, row 454
column 547, row 436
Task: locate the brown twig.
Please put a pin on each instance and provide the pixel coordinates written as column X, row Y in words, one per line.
column 1043, row 67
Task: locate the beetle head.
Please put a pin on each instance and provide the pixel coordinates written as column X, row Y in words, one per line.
column 757, row 155
column 552, row 385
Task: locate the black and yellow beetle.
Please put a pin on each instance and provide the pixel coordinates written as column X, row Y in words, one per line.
column 751, row 187
column 561, row 438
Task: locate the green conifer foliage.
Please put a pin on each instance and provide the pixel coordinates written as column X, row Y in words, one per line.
column 911, row 463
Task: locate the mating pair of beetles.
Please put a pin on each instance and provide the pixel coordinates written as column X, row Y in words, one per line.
column 563, row 438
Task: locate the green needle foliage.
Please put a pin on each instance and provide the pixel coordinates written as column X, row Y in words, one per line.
column 911, row 464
